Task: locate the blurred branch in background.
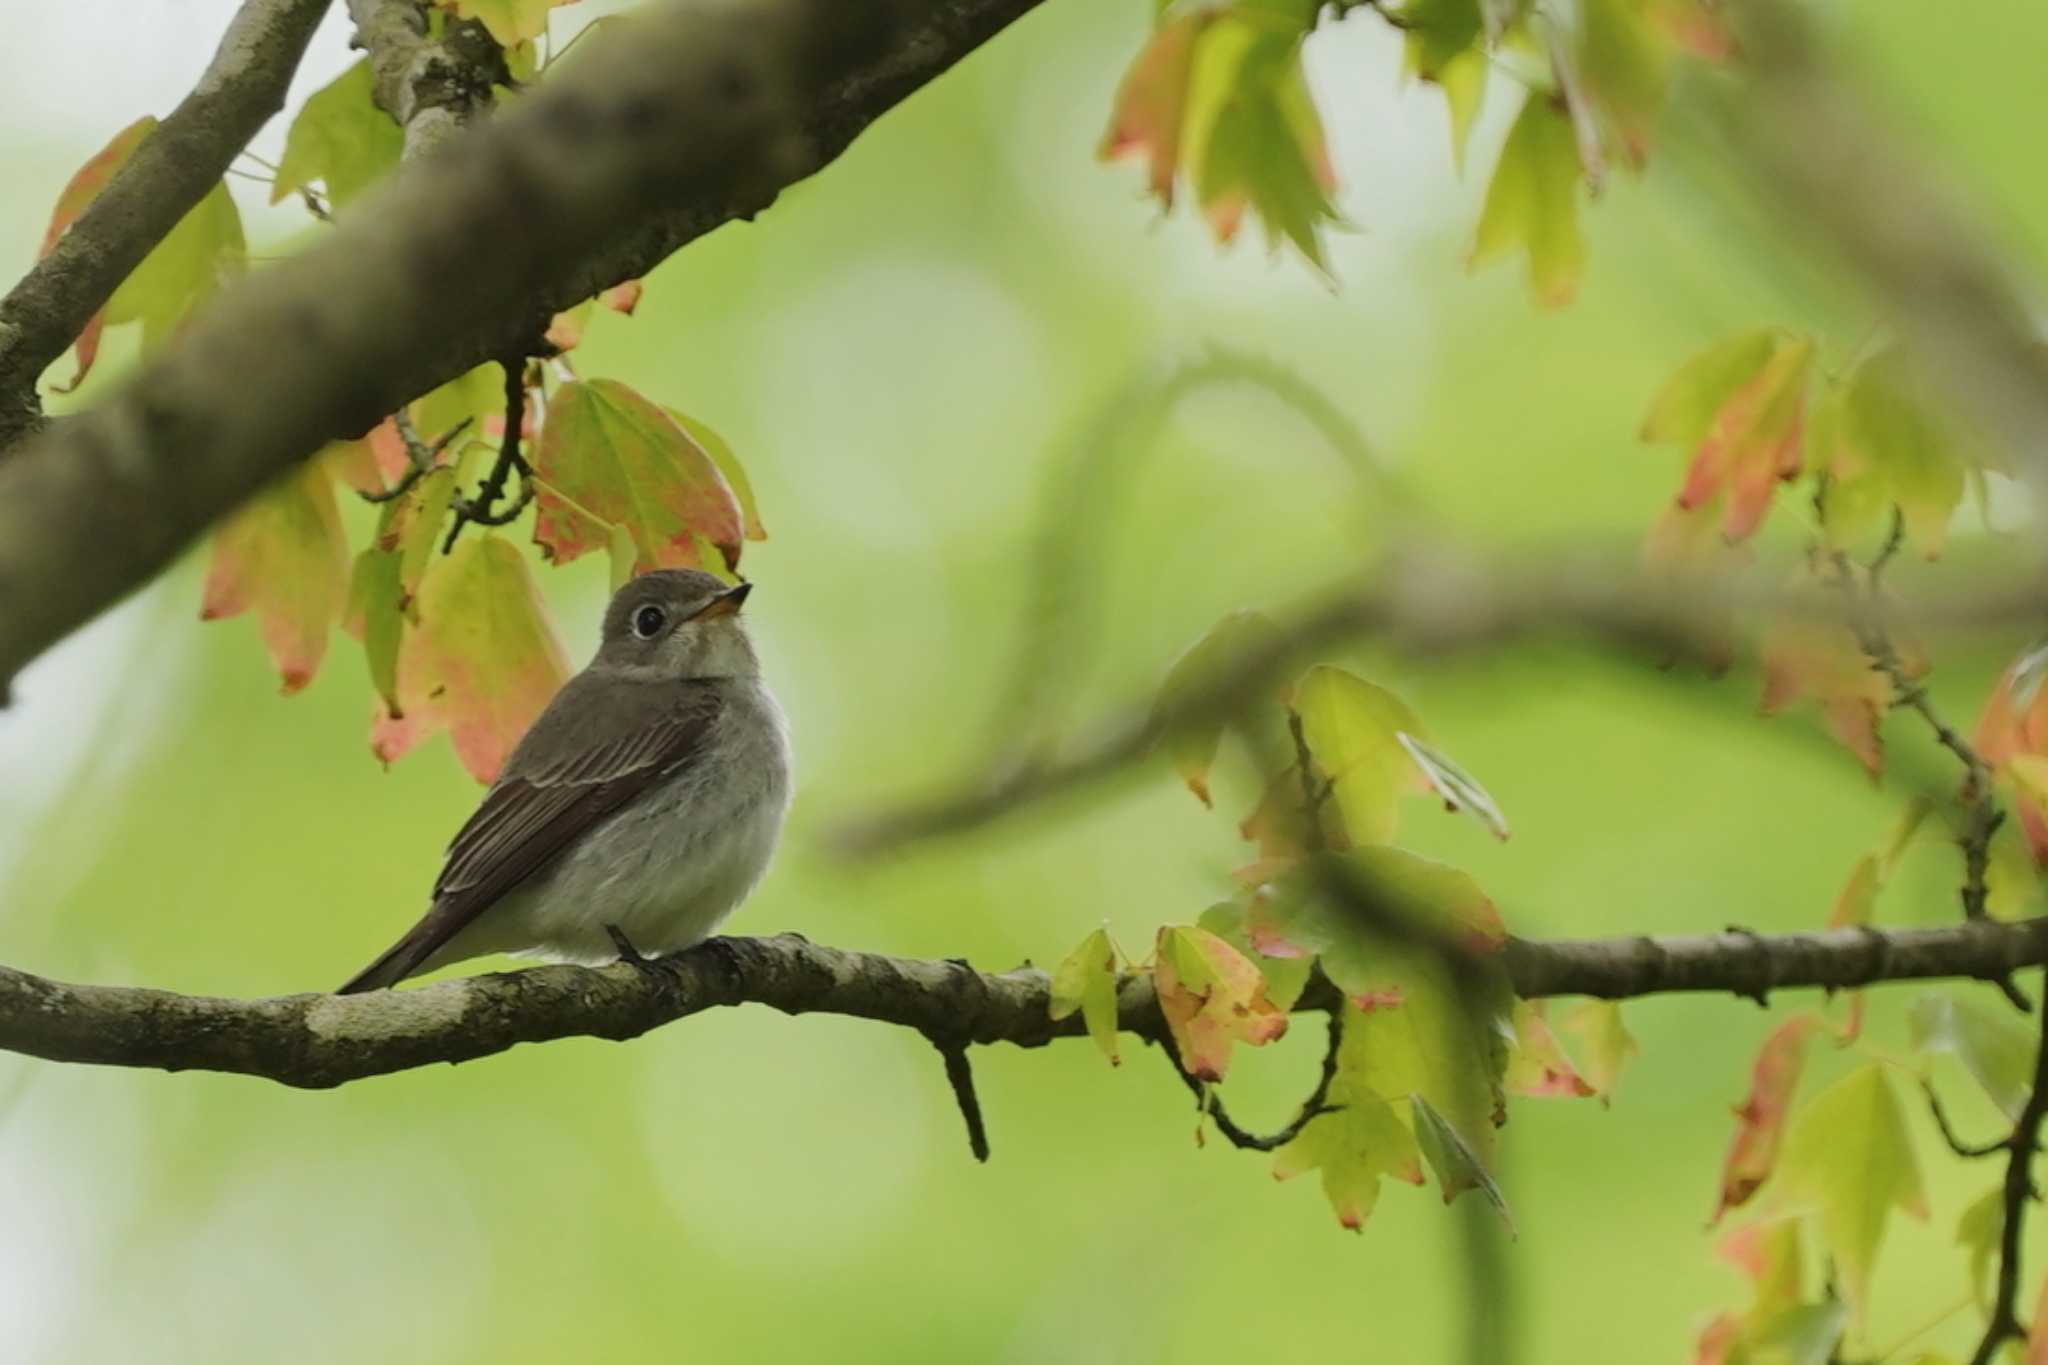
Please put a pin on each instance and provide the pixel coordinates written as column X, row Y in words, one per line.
column 317, row 1041
column 1432, row 604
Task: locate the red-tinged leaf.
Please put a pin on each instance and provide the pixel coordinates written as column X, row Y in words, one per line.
column 1255, row 140
column 565, row 332
column 1605, row 1042
column 84, row 187
column 1192, row 680
column 1145, row 121
column 1849, row 1157
column 1085, row 981
column 339, row 138
column 624, row 297
column 371, row 463
column 1824, row 661
column 1760, row 1119
column 720, row 451
column 2037, row 1338
column 1279, row 826
column 1212, row 996
column 1718, row 1341
column 482, row 662
column 608, row 451
column 2013, row 728
column 509, row 22
column 282, row 554
column 1532, row 203
column 1287, row 973
column 1754, row 440
column 1770, row 1254
column 1537, row 1065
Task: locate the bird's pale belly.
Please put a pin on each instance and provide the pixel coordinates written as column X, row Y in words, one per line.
column 663, row 887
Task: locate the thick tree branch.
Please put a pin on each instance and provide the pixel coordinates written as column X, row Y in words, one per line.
column 673, row 121
column 325, row 1040
column 431, row 87
column 170, row 172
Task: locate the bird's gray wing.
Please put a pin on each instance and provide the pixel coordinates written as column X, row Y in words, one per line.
column 539, row 807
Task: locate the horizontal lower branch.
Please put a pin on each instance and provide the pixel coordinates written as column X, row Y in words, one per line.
column 317, row 1041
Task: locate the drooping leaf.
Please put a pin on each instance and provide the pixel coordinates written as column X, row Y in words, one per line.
column 1353, row 1148
column 1280, row 826
column 1978, row 1231
column 376, row 616
column 470, row 397
column 1145, row 121
column 1849, row 1157
column 1532, row 203
column 411, row 529
column 508, row 21
column 1993, row 1047
column 1760, row 1119
column 1537, row 1064
column 194, row 259
column 1457, row 1166
column 84, row 187
column 2013, row 727
column 1440, row 39
column 1769, row 1254
column 1211, row 997
column 370, row 463
column 1740, row 406
column 623, row 459
column 482, row 662
column 1353, row 729
column 282, row 554
column 1825, row 661
column 1624, row 58
column 1192, row 678
column 1606, row 1042
column 1459, row 789
column 340, row 138
column 1086, row 981
column 1887, row 448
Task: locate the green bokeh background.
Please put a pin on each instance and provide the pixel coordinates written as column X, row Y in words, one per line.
column 907, row 352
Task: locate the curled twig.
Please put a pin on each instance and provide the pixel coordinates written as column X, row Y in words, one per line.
column 1210, row 1104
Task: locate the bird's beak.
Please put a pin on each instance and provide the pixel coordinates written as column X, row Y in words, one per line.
column 725, row 604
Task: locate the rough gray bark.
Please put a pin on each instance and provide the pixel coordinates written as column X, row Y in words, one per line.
column 325, row 1040
column 186, row 156
column 674, row 121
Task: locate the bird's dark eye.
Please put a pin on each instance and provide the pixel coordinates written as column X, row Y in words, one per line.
column 648, row 621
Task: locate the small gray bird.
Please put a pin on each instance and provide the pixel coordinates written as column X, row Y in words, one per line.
column 637, row 812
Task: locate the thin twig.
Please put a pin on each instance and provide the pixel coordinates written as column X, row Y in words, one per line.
column 1961, row 1148
column 960, row 1075
column 2019, row 1187
column 1210, row 1104
column 483, row 509
column 420, row 457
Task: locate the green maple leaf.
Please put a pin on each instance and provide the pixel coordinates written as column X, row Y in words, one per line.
column 181, row 271
column 1532, row 203
column 1086, row 981
column 1194, row 675
column 1849, row 1158
column 1353, row 1148
column 78, row 192
column 509, row 22
column 339, row 137
column 1996, row 1050
column 1353, row 729
column 1884, row 445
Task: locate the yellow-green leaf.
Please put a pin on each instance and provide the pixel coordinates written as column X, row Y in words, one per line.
column 376, row 616
column 1685, row 408
column 1086, row 981
column 1532, row 204
column 282, row 554
column 340, row 138
column 1353, row 729
column 1537, row 1064
column 729, row 465
column 1978, row 1231
column 1848, row 1157
column 508, row 21
column 1606, row 1041
column 1287, row 971
column 1887, row 447
column 84, row 187
column 1353, row 1148
column 192, row 260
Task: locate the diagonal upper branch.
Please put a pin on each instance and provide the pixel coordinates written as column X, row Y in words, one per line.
column 171, row 171
column 671, row 122
column 326, row 1040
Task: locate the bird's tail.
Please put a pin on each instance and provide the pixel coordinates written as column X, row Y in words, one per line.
column 393, row 965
